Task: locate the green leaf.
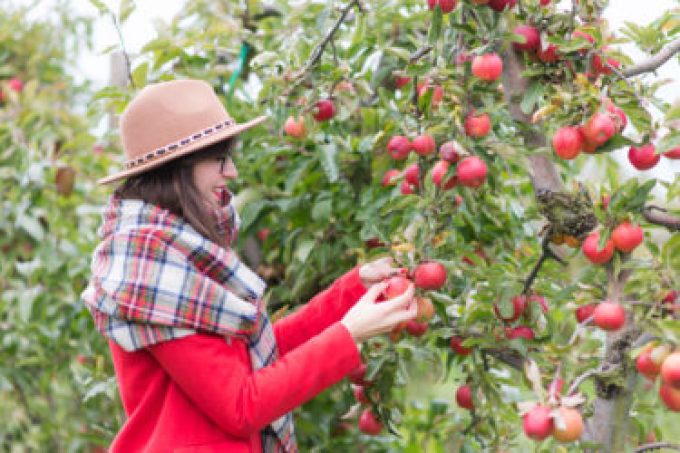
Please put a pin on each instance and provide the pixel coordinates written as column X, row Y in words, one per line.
column 127, row 7
column 669, row 142
column 323, row 207
column 399, row 52
column 31, row 226
column 328, row 159
column 435, row 26
column 139, row 75
column 101, row 6
column 532, row 96
column 303, row 249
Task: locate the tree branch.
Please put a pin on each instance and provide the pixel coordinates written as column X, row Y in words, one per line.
column 319, row 49
column 579, row 380
column 659, row 218
column 655, row 61
column 657, row 446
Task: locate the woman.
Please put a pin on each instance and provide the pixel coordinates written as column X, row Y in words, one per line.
column 199, row 366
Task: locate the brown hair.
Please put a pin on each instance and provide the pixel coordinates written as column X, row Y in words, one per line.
column 171, row 186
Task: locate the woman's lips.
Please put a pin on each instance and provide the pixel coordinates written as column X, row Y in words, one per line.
column 223, row 195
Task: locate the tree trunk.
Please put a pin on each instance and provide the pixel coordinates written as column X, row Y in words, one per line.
column 609, row 423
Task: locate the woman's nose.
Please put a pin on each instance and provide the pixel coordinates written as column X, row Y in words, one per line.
column 229, row 170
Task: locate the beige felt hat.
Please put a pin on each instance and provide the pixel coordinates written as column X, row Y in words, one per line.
column 168, row 120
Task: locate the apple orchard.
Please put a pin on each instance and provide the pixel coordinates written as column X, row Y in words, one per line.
column 552, row 278
column 505, row 153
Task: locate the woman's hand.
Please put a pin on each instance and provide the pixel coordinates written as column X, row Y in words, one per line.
column 379, row 270
column 368, row 318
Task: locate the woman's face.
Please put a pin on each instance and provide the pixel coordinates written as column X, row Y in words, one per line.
column 211, row 176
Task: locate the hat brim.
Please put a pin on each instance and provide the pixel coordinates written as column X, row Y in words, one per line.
column 188, row 149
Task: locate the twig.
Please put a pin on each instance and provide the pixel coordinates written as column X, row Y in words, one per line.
column 420, row 53
column 657, row 445
column 128, row 65
column 319, row 49
column 472, row 424
column 669, row 221
column 655, row 61
column 547, row 253
column 579, row 380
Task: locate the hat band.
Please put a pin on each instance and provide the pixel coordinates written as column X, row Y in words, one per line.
column 175, row 146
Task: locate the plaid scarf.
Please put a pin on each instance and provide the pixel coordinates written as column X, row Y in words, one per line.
column 155, row 278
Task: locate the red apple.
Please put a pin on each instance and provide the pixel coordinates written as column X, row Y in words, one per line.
column 424, row 145
column 390, row 177
column 520, row 332
column 584, row 312
column 369, row 424
column 627, row 237
column 572, row 427
column 401, row 81
column 531, row 38
column 477, row 126
column 360, row 394
column 670, row 370
column 439, row 170
column 358, row 376
column 15, row 84
column 501, row 5
column 448, row 151
column 595, row 254
column 538, row 423
column 540, row 300
column 519, row 304
column 555, row 387
column 582, row 34
column 429, row 275
column 263, row 234
column 600, row 67
column 437, row 94
column 324, row 110
column 670, row 397
column 295, row 127
column 670, row 297
column 411, row 175
column 673, row 154
column 589, row 146
column 487, row 67
column 544, row 2
column 643, row 158
column 396, row 286
column 567, row 142
column 399, row 147
column 609, row 316
column 548, row 53
column 464, row 397
column 471, row 171
column 415, row 328
column 457, row 346
column 599, row 129
column 405, row 188
column 645, row 365
column 446, row 5
column 618, row 116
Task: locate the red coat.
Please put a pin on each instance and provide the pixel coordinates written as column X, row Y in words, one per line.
column 199, row 394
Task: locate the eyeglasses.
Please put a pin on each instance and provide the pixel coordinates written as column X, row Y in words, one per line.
column 223, row 160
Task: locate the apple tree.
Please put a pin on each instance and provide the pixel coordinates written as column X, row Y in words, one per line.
column 500, row 150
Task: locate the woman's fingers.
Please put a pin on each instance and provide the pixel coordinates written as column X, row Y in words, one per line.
column 402, row 300
column 374, row 291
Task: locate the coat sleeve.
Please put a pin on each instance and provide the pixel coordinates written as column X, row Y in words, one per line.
column 324, row 309
column 216, row 375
